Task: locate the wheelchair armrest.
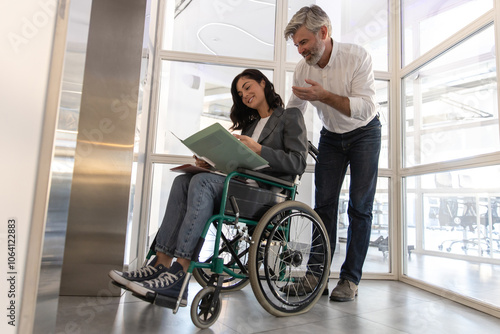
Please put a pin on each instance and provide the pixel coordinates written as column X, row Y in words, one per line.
column 265, row 177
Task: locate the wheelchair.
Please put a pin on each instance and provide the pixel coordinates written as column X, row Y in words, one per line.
column 259, row 237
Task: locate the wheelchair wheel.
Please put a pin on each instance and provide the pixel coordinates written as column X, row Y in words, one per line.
column 289, row 245
column 203, row 314
column 233, row 248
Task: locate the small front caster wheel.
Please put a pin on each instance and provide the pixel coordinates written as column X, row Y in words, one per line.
column 203, row 313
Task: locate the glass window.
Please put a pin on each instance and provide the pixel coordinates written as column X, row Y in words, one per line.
column 160, row 190
column 192, row 97
column 382, row 91
column 452, row 228
column 424, row 27
column 459, row 211
column 377, row 259
column 305, row 190
column 221, row 28
column 367, row 27
column 450, row 104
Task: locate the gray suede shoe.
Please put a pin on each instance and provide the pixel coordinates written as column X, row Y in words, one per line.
column 344, row 291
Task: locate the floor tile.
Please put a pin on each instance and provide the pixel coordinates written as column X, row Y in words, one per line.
column 384, row 307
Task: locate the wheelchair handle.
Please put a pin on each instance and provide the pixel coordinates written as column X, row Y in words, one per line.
column 312, row 150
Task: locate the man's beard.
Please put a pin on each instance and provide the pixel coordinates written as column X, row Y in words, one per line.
column 316, row 53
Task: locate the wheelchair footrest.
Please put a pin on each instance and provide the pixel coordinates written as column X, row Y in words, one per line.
column 163, row 301
column 167, row 302
column 150, row 298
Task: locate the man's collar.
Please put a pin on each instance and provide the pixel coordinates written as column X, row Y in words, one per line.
column 332, row 54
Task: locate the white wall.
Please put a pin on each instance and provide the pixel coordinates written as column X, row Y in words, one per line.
column 27, row 34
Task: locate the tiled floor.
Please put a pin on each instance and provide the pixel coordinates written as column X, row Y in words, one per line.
column 381, row 307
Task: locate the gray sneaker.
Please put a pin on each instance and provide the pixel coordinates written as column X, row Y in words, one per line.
column 303, row 286
column 344, row 291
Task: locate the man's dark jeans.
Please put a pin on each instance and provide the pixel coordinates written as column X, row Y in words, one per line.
column 359, row 149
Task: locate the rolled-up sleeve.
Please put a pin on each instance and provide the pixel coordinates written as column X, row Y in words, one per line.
column 362, row 96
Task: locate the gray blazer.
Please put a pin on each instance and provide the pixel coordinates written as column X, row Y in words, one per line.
column 284, row 143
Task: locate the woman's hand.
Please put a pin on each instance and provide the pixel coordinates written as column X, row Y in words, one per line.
column 201, row 163
column 252, row 144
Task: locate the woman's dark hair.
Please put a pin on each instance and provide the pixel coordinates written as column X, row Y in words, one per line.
column 241, row 115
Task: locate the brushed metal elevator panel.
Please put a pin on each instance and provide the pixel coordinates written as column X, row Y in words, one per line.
column 99, row 200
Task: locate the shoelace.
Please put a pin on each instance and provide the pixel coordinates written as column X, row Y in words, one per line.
column 162, row 281
column 143, row 272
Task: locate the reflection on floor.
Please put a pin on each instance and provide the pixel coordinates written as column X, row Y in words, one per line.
column 467, row 276
column 381, row 307
column 470, row 278
column 480, row 281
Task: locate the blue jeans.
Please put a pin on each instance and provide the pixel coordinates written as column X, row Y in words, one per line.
column 359, row 149
column 190, row 204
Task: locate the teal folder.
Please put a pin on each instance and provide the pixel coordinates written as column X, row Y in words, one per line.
column 222, row 150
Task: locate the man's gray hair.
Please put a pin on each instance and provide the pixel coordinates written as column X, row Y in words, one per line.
column 312, row 17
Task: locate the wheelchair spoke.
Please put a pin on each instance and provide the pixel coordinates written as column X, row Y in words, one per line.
column 293, row 244
column 233, row 248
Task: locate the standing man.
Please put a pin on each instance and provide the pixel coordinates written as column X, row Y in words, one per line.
column 337, row 79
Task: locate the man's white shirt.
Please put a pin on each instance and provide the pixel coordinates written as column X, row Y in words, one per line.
column 348, row 73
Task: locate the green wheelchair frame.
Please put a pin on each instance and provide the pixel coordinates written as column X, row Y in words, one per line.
column 271, row 232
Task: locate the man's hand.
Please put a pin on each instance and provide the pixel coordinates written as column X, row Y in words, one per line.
column 252, row 144
column 316, row 92
column 313, row 93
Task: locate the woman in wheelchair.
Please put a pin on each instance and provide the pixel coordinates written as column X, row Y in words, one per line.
column 277, row 134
